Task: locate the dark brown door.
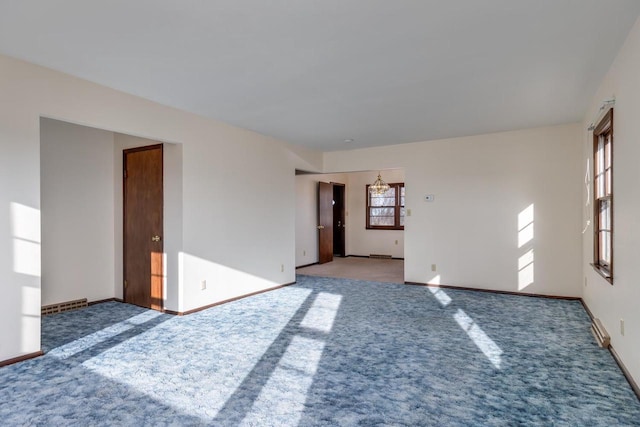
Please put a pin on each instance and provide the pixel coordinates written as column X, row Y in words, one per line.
column 325, row 222
column 143, row 247
column 338, row 219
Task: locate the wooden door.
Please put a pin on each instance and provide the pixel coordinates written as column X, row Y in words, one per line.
column 143, row 209
column 325, row 222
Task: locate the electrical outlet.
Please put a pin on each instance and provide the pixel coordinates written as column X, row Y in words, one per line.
column 304, row 253
column 622, row 327
column 433, row 267
column 396, row 242
column 203, row 285
column 281, row 268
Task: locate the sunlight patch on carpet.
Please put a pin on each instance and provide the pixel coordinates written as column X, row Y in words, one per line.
column 284, row 396
column 322, row 313
column 479, row 338
column 440, row 295
column 86, row 342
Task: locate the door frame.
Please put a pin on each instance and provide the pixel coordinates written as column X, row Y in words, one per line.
column 160, row 305
column 341, row 218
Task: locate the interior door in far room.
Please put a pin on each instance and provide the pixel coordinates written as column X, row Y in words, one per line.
column 143, row 216
column 325, row 222
column 338, row 219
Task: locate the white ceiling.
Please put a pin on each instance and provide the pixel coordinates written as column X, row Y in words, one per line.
column 317, row 72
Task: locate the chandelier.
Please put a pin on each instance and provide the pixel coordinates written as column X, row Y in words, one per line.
column 379, row 187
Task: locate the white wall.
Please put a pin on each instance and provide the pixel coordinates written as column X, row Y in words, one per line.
column 77, row 212
column 362, row 241
column 620, row 301
column 483, row 186
column 237, row 231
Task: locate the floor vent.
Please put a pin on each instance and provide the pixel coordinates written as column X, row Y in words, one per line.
column 64, row 306
column 379, row 256
column 600, row 334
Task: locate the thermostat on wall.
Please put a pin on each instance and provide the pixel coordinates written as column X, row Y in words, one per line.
column 429, row 198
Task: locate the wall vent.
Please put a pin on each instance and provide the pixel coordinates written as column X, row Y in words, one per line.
column 64, row 306
column 600, row 334
column 379, row 256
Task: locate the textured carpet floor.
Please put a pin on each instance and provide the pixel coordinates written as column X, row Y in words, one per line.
column 324, row 352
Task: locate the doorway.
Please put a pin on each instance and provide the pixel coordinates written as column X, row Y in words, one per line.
column 339, row 219
column 143, row 226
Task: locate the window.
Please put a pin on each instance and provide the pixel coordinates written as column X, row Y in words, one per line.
column 386, row 211
column 603, row 196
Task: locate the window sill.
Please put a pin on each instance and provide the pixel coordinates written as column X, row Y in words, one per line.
column 604, row 273
column 385, row 228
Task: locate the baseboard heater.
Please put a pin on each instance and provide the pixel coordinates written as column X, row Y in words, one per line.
column 600, row 334
column 379, row 256
column 64, row 306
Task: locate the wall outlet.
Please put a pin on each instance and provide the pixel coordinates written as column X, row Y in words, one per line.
column 433, row 267
column 304, row 253
column 396, row 242
column 203, row 285
column 282, row 268
column 408, row 212
column 622, row 327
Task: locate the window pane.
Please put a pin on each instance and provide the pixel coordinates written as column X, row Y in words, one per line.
column 391, row 192
column 605, row 247
column 402, row 213
column 386, row 221
column 604, row 217
column 599, row 169
column 382, row 212
column 383, row 201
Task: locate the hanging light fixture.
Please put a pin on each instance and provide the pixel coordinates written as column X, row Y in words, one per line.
column 379, row 187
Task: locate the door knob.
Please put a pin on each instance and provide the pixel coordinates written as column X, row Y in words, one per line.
column 321, row 227
column 155, row 239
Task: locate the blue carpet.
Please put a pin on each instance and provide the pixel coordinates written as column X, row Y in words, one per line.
column 324, row 352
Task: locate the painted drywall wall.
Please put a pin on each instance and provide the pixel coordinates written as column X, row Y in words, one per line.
column 77, row 212
column 620, row 301
column 364, row 242
column 306, row 187
column 238, row 193
column 506, row 209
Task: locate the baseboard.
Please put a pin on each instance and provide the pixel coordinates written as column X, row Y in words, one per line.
column 616, row 357
column 307, row 265
column 625, row 371
column 21, row 358
column 495, row 291
column 367, row 256
column 100, row 301
column 195, row 310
